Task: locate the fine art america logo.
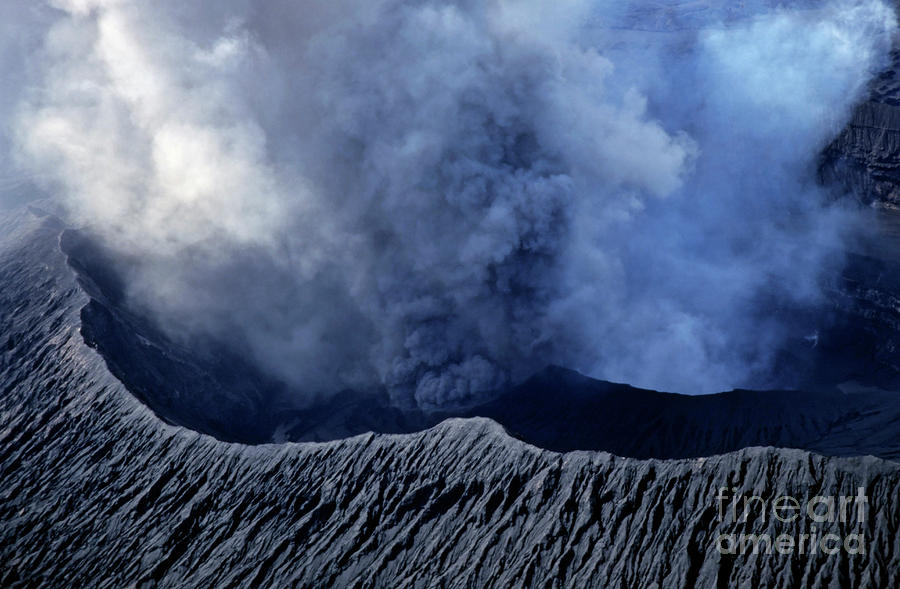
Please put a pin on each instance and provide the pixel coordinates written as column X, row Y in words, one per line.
column 824, row 524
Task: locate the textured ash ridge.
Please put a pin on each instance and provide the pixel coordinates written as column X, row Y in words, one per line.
column 97, row 492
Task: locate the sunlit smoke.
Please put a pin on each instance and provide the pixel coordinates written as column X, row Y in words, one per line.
column 441, row 197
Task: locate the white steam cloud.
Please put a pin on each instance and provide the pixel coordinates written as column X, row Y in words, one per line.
column 442, row 196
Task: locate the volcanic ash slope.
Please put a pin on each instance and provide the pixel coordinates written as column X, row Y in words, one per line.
column 95, row 491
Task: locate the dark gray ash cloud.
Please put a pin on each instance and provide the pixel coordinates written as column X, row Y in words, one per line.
column 440, row 197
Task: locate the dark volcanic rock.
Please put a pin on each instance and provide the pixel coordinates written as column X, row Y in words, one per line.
column 562, row 410
column 865, row 157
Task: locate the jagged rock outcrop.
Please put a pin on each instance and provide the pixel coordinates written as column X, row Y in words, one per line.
column 96, row 491
column 865, row 157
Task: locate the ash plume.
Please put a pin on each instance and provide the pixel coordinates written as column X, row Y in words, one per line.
column 439, row 197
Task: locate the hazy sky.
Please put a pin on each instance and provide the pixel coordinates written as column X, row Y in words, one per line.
column 440, row 196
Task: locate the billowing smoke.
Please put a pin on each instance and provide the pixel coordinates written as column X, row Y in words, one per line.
column 442, row 196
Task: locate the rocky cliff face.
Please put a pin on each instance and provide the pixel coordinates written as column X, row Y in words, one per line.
column 865, row 157
column 97, row 491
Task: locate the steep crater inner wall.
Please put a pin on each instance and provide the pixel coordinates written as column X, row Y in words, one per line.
column 211, row 389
